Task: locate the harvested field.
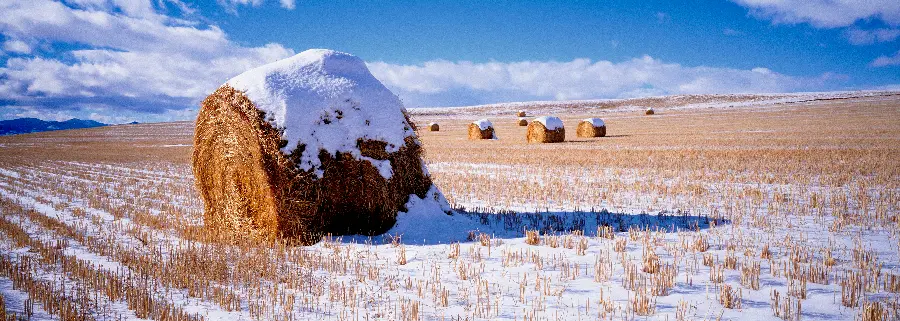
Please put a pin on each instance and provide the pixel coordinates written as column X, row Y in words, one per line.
column 758, row 211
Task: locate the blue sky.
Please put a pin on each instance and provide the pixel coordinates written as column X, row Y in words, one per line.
column 154, row 60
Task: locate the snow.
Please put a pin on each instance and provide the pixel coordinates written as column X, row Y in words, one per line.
column 9, row 173
column 551, row 122
column 596, row 122
column 420, row 223
column 483, row 124
column 427, row 237
column 14, row 299
column 327, row 100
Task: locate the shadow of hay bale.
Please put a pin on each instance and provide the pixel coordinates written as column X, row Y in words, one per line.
column 505, row 224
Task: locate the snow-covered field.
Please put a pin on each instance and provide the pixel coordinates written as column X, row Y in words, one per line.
column 691, row 214
column 676, row 102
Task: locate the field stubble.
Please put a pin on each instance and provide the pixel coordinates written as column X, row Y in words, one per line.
column 796, row 211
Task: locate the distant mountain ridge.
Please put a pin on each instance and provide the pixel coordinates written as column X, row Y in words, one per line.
column 34, row 125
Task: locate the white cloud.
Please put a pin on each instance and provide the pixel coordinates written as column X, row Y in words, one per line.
column 867, row 37
column 35, row 112
column 254, row 3
column 132, row 74
column 138, row 60
column 179, row 4
column 16, row 46
column 885, row 61
column 231, row 6
column 825, row 13
column 90, row 26
column 442, row 82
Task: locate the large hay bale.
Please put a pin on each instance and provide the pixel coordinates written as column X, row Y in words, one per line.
column 434, row 127
column 481, row 129
column 309, row 145
column 523, row 122
column 591, row 127
column 649, row 111
column 546, row 129
column 521, row 113
column 243, row 178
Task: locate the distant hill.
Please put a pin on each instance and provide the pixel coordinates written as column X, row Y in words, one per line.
column 33, row 125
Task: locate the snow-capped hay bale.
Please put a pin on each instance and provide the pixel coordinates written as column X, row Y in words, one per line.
column 309, row 145
column 546, row 129
column 434, row 127
column 523, row 122
column 649, row 111
column 591, row 127
column 481, row 129
column 520, row 113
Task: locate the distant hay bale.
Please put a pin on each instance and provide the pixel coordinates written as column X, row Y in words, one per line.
column 253, row 184
column 521, row 113
column 591, row 127
column 434, row 127
column 649, row 111
column 481, row 129
column 523, row 122
column 546, row 129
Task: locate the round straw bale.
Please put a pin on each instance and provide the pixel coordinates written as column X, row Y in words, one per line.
column 253, row 183
column 481, row 129
column 434, row 127
column 248, row 187
column 523, row 122
column 521, row 113
column 591, row 127
column 649, row 111
column 547, row 129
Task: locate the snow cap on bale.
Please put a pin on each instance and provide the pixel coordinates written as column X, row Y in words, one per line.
column 309, row 145
column 550, row 122
column 482, row 129
column 546, row 129
column 326, row 100
column 591, row 127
